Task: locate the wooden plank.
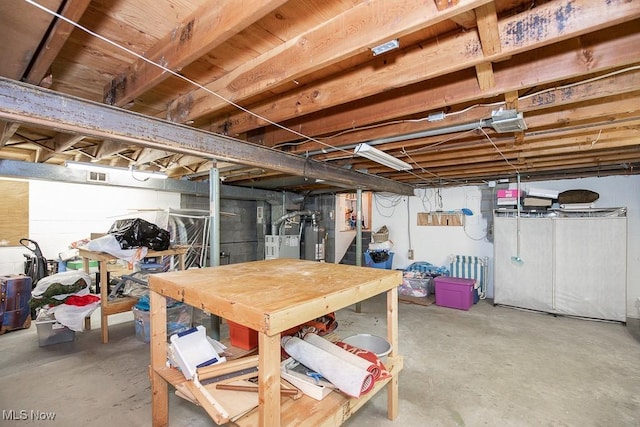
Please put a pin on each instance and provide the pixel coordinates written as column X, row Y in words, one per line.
column 484, row 70
column 445, row 4
column 348, row 87
column 466, row 20
column 439, row 219
column 269, row 379
column 362, row 27
column 7, row 129
column 158, row 346
column 14, row 212
column 209, row 26
column 63, row 141
column 27, row 104
column 488, row 29
column 227, row 368
column 56, row 38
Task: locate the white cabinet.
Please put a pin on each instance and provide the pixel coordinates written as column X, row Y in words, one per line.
column 574, row 266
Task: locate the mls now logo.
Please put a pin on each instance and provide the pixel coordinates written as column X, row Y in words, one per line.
column 24, row 415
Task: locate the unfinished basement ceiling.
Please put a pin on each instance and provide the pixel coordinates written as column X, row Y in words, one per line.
column 295, row 85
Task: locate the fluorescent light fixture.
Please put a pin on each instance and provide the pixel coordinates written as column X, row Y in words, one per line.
column 385, row 47
column 365, row 150
column 137, row 174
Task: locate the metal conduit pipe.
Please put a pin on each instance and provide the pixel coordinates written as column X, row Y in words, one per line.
column 421, row 134
column 275, row 225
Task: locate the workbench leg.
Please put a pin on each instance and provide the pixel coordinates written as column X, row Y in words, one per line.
column 269, row 380
column 392, row 336
column 104, row 301
column 158, row 348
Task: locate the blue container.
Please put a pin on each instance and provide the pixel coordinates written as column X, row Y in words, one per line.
column 386, row 265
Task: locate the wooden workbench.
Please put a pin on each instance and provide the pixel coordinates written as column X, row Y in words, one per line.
column 121, row 305
column 272, row 296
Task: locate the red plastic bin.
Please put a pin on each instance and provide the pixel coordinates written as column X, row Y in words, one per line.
column 242, row 337
column 454, row 292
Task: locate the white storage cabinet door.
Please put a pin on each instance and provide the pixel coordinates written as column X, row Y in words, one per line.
column 528, row 284
column 590, row 267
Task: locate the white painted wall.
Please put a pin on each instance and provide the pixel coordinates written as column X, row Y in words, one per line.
column 61, row 213
column 435, row 244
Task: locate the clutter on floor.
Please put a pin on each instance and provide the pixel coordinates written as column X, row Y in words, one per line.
column 312, row 365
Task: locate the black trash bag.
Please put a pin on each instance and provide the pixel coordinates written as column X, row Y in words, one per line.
column 379, row 256
column 136, row 232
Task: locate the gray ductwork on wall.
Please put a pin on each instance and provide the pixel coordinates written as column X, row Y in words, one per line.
column 275, row 225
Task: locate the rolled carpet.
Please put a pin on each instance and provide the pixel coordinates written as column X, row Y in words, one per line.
column 347, row 378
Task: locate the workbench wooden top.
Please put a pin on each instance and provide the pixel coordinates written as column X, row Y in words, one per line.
column 271, row 296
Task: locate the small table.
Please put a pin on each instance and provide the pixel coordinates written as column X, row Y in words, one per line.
column 107, row 307
column 270, row 297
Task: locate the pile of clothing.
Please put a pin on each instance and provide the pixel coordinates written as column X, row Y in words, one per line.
column 66, row 297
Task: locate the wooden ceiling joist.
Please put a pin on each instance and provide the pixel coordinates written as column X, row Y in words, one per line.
column 206, row 28
column 620, row 49
column 56, row 38
column 320, row 47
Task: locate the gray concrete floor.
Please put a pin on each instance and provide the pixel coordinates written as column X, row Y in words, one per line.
column 490, row 366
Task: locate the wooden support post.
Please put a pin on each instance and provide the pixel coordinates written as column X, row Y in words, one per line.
column 269, row 380
column 158, row 345
column 392, row 336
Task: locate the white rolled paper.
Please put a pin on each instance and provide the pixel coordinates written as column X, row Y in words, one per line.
column 343, row 354
column 348, row 378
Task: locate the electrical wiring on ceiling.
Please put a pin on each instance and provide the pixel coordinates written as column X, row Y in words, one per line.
column 180, row 76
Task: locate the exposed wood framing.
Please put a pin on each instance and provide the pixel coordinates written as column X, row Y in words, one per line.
column 64, row 141
column 58, row 35
column 486, row 81
column 606, row 51
column 41, row 107
column 203, row 30
column 320, row 47
column 347, row 88
column 7, row 129
column 445, row 4
column 488, row 29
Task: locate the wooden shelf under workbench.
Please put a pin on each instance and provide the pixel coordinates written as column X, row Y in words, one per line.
column 120, row 305
column 272, row 296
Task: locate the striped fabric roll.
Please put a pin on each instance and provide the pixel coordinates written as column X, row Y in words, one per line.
column 470, row 267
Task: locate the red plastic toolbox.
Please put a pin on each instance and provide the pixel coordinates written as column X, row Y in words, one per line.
column 454, row 292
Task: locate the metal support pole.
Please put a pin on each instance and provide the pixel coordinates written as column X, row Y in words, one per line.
column 214, row 236
column 358, row 236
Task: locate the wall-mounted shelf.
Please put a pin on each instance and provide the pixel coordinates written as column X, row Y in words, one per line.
column 440, row 219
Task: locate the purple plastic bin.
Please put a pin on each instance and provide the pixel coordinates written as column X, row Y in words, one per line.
column 454, row 292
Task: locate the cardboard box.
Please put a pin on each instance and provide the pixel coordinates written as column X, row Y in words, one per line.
column 454, row 292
